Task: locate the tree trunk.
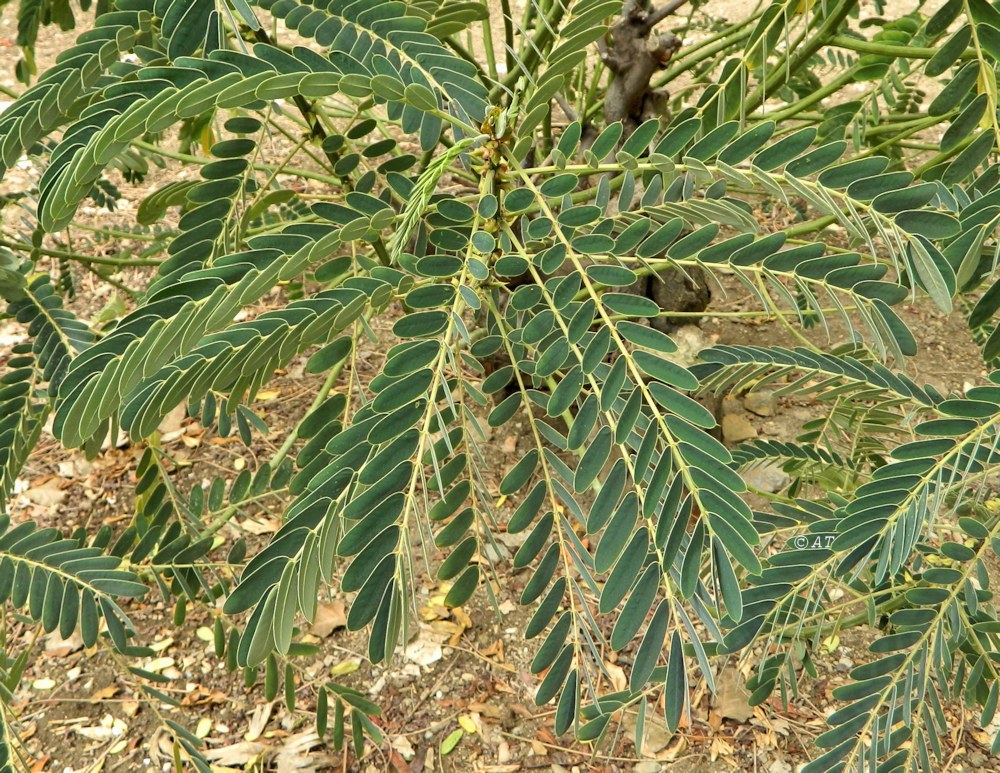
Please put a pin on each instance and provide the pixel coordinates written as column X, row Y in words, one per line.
column 633, row 53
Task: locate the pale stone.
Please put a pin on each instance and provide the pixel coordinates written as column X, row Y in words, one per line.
column 736, row 429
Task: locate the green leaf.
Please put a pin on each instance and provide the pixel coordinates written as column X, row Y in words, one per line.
column 747, row 143
column 784, row 150
column 933, row 225
column 451, row 741
column 634, row 613
column 593, row 460
column 969, row 160
column 675, row 688
column 955, row 90
column 949, row 53
column 665, row 371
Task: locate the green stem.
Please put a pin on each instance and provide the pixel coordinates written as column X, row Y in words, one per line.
column 940, row 158
column 99, row 260
column 190, row 159
column 811, row 226
column 112, row 281
column 887, row 49
column 795, row 108
column 508, row 35
column 491, row 57
column 531, row 53
column 851, row 621
column 321, row 395
column 790, row 63
column 723, row 41
column 112, row 232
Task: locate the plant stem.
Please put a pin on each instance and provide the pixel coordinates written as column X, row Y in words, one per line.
column 809, row 631
column 100, row 260
column 201, row 160
column 532, row 52
column 822, row 93
column 943, row 156
column 508, row 35
column 887, row 49
column 143, row 237
column 688, row 58
column 789, row 64
column 321, row 395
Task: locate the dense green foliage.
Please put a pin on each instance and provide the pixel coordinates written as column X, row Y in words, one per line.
column 357, row 156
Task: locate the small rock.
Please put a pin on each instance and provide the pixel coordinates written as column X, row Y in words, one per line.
column 736, row 429
column 766, row 477
column 647, row 766
column 762, row 403
column 730, row 405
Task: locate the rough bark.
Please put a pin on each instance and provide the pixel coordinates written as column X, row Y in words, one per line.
column 634, row 53
column 673, row 291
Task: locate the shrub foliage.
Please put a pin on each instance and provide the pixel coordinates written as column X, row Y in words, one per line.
column 357, row 156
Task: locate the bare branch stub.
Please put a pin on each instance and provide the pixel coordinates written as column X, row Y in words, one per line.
column 633, row 54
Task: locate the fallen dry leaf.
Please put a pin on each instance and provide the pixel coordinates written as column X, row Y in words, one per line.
column 494, row 650
column 237, row 755
column 329, row 617
column 423, row 650
column 258, row 721
column 732, row 701
column 172, row 425
column 462, row 617
column 490, row 710
column 673, row 751
column 56, row 646
column 720, row 748
column 401, row 744
column 655, row 735
column 617, row 673
column 299, row 754
column 105, row 692
column 259, row 526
